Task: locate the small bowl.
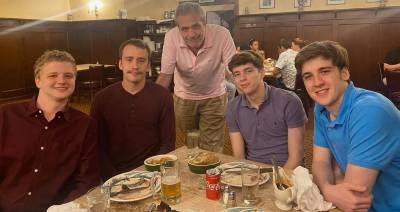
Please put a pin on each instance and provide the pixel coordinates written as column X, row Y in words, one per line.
column 156, row 167
column 201, row 169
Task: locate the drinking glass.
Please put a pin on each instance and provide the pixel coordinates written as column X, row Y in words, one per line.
column 170, row 183
column 250, row 180
column 97, row 201
column 192, row 142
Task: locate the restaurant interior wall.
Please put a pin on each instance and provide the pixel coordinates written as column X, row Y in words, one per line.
column 110, row 10
column 38, row 9
column 284, row 6
column 367, row 34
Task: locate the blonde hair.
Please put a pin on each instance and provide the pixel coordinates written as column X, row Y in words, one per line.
column 51, row 56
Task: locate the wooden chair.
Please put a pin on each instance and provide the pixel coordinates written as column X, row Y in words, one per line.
column 301, row 92
column 393, row 84
column 111, row 75
column 382, row 82
column 90, row 81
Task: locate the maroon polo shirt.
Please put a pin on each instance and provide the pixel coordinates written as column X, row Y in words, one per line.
column 44, row 163
column 133, row 127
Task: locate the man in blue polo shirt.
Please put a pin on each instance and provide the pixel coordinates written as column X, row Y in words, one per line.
column 356, row 161
column 264, row 120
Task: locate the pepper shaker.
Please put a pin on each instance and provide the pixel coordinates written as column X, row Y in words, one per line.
column 231, row 200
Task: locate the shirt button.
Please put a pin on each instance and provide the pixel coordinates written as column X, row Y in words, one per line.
column 36, row 116
column 36, row 170
column 40, row 111
column 29, row 193
column 46, row 127
column 41, row 148
column 59, row 117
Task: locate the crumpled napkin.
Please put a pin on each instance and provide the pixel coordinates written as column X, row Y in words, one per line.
column 308, row 197
column 67, row 207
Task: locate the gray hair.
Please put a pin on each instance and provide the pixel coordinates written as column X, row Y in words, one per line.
column 187, row 8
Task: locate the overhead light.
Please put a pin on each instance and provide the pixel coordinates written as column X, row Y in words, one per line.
column 95, row 6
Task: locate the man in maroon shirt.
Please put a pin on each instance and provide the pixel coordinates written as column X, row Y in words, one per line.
column 48, row 151
column 135, row 117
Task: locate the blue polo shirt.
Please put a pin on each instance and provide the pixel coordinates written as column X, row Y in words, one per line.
column 365, row 133
column 265, row 130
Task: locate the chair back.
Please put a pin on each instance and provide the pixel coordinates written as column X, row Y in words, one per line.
column 393, row 81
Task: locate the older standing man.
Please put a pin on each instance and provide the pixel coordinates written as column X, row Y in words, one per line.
column 197, row 54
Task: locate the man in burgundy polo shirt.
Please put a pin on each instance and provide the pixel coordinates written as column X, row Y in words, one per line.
column 48, row 151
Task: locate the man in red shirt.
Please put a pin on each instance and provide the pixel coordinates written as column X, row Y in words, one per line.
column 48, row 151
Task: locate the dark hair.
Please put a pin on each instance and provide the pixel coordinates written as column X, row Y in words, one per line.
column 252, row 41
column 246, row 57
column 134, row 42
column 283, row 43
column 187, row 8
column 300, row 42
column 329, row 50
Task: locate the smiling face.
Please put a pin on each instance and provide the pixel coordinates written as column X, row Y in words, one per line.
column 134, row 64
column 248, row 78
column 325, row 83
column 56, row 80
column 192, row 29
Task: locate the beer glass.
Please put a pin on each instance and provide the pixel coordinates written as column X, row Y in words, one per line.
column 192, row 142
column 250, row 180
column 170, row 183
column 97, row 201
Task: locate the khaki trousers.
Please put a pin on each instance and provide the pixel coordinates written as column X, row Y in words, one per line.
column 207, row 115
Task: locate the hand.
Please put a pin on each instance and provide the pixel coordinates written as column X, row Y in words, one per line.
column 349, row 197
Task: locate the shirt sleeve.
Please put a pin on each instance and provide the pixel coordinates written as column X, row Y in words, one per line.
column 168, row 58
column 167, row 125
column 319, row 130
column 229, row 49
column 280, row 63
column 294, row 112
column 373, row 142
column 107, row 168
column 231, row 118
column 88, row 172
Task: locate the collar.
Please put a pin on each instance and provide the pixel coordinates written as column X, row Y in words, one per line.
column 33, row 110
column 246, row 103
column 343, row 110
column 208, row 42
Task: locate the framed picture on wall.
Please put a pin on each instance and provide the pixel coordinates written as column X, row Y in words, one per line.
column 206, row 1
column 225, row 18
column 306, row 3
column 266, row 4
column 335, row 1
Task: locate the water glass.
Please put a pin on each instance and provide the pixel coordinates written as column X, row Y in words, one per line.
column 250, row 180
column 192, row 142
column 97, row 201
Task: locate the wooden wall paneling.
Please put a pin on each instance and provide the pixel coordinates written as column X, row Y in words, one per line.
column 274, row 32
column 358, row 39
column 317, row 31
column 57, row 40
column 12, row 77
column 98, row 46
column 114, row 40
column 80, row 43
column 247, row 33
column 34, row 45
column 388, row 37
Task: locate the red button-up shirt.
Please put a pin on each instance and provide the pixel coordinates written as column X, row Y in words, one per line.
column 44, row 163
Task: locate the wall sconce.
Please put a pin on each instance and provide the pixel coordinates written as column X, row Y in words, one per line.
column 95, row 6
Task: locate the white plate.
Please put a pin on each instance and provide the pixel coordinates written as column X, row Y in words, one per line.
column 243, row 209
column 145, row 193
column 235, row 179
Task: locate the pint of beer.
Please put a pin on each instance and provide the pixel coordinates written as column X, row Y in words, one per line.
column 171, row 184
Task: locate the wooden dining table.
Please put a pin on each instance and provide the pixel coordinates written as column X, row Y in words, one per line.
column 193, row 197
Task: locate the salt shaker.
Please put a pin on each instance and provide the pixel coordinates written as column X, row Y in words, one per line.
column 225, row 195
column 231, row 200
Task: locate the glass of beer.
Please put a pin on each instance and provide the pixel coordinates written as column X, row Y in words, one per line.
column 171, row 183
column 250, row 180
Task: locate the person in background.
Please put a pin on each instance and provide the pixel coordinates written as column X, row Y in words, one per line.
column 264, row 121
column 48, row 150
column 298, row 44
column 392, row 60
column 135, row 117
column 255, row 46
column 355, row 134
column 197, row 55
column 284, row 67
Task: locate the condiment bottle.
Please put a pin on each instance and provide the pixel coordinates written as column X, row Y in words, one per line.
column 225, row 195
column 231, row 200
